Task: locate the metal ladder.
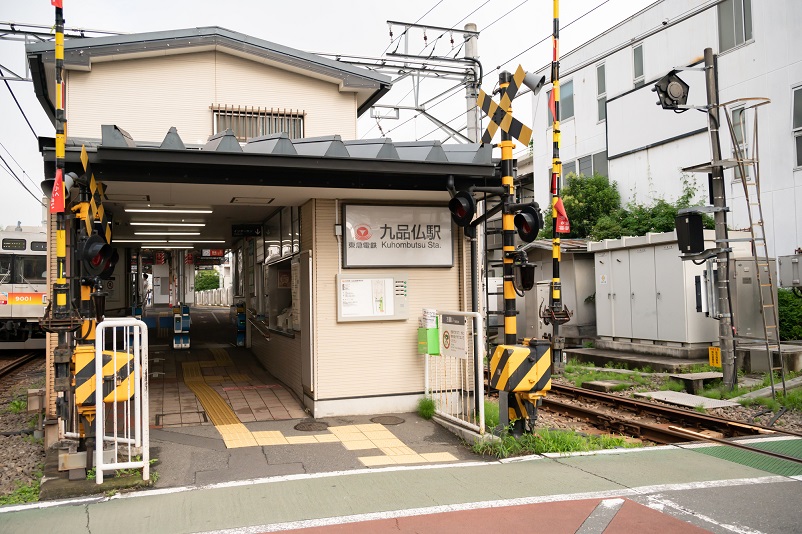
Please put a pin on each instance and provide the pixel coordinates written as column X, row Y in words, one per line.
column 763, row 274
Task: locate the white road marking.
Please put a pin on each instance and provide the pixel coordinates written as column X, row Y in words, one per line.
column 658, row 502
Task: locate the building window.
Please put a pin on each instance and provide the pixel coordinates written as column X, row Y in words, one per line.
column 588, row 165
column 600, row 163
column 601, row 93
column 734, row 23
column 566, row 102
column 250, row 122
column 798, row 125
column 637, row 65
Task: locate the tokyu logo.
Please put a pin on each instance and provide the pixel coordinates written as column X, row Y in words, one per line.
column 362, row 232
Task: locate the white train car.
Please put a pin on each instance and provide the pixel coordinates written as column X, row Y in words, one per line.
column 23, row 287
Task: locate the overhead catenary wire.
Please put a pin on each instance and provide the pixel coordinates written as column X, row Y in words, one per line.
column 544, row 39
column 6, row 167
column 21, row 110
column 25, row 174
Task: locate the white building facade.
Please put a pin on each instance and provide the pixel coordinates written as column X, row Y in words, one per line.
column 611, row 124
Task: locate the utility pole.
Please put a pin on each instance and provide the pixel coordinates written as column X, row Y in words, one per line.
column 472, row 52
column 718, row 193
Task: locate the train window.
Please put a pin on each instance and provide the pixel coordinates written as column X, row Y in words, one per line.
column 30, row 269
column 14, row 244
column 39, row 246
column 5, row 268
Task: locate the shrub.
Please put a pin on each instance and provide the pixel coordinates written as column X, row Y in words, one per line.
column 426, row 407
column 789, row 308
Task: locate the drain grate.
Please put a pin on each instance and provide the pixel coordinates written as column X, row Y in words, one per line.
column 387, row 420
column 311, row 426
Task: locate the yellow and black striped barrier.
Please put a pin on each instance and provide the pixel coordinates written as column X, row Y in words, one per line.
column 118, row 376
column 522, row 368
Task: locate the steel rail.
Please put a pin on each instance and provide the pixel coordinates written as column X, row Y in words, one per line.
column 17, row 363
column 727, row 427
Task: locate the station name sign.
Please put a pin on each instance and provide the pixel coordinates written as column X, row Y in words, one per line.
column 393, row 236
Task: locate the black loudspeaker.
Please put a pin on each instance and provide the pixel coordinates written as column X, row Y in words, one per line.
column 690, row 233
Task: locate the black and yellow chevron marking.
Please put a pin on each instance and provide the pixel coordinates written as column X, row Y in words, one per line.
column 98, row 214
column 121, row 369
column 499, row 115
column 521, row 369
column 515, row 407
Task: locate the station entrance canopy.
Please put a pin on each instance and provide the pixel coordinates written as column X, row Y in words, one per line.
column 246, row 183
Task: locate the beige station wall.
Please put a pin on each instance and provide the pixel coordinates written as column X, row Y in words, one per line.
column 146, row 96
column 363, row 359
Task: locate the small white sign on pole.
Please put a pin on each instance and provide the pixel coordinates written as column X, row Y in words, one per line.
column 454, row 336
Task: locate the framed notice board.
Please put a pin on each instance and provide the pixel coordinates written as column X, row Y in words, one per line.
column 372, row 297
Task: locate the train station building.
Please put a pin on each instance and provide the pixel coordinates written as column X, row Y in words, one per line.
column 206, row 139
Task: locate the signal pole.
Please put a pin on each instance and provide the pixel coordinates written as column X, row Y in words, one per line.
column 557, row 314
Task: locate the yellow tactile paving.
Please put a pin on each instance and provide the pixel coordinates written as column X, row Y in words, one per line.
column 352, row 437
column 357, row 445
column 192, row 372
column 397, row 451
column 221, row 357
column 270, row 437
column 239, row 377
column 293, row 440
column 385, row 443
column 376, row 461
column 439, row 457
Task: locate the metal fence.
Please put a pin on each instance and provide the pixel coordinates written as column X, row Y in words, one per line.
column 454, row 379
column 121, row 396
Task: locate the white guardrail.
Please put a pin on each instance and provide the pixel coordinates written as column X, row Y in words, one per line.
column 454, row 379
column 122, row 420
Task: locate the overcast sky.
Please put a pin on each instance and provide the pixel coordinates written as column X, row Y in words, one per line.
column 355, row 27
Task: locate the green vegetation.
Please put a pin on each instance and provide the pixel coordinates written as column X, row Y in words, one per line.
column 426, row 407
column 789, row 308
column 491, row 414
column 24, row 493
column 578, row 375
column 672, row 385
column 206, row 280
column 593, row 205
column 18, row 406
column 548, row 441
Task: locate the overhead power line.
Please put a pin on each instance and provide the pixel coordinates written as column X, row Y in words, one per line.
column 20, row 109
column 8, row 169
column 25, row 174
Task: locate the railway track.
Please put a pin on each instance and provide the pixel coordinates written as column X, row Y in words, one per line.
column 655, row 422
column 17, row 360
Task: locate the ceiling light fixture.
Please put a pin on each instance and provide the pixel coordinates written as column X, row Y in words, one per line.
column 166, row 210
column 166, row 233
column 139, row 241
column 197, row 241
column 165, row 224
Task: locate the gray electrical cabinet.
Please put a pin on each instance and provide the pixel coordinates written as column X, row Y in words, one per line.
column 791, row 271
column 645, row 292
column 745, row 291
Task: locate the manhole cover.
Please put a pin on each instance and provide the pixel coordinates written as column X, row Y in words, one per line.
column 311, row 426
column 387, row 420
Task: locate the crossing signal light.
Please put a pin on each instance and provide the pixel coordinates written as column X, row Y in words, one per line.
column 95, row 255
column 462, row 207
column 528, row 222
column 671, row 91
column 108, row 270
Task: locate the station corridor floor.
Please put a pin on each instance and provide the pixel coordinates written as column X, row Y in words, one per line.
column 212, row 380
